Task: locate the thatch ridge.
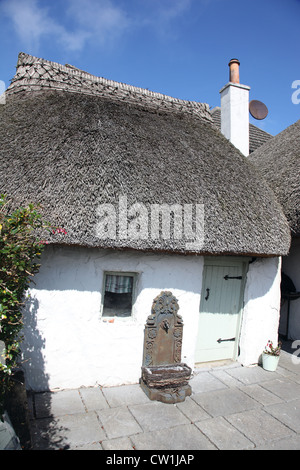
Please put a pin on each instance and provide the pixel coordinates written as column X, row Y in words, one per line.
column 278, row 161
column 34, row 74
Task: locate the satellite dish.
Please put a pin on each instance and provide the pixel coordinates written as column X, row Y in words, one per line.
column 258, row 110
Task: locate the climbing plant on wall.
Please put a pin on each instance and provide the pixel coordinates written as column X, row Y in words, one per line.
column 20, row 251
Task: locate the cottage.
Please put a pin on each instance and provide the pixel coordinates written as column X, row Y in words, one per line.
column 278, row 160
column 153, row 197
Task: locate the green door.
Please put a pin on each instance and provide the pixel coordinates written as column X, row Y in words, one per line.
column 220, row 309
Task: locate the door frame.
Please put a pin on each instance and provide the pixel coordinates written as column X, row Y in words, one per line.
column 228, row 261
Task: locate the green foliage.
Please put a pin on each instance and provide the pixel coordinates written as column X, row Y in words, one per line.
column 20, row 250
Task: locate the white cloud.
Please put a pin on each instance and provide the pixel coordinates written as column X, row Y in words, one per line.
column 171, row 10
column 97, row 20
column 159, row 15
column 85, row 22
column 29, row 21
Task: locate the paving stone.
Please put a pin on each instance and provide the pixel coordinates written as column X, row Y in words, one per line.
column 224, row 402
column 230, row 408
column 66, row 432
column 156, row 416
column 8, row 437
column 205, row 382
column 93, row 398
column 288, row 443
column 287, row 413
column 259, row 426
column 186, row 437
column 260, row 394
column 125, row 395
column 287, row 373
column 290, row 362
column 123, row 443
column 251, row 375
column 283, row 388
column 58, row 403
column 225, row 378
column 223, row 434
column 192, row 410
column 118, row 422
column 93, row 446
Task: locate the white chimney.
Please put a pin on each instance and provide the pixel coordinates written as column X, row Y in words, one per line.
column 235, row 109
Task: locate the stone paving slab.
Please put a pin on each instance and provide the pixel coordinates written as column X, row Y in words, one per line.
column 251, row 375
column 192, row 410
column 122, row 443
column 288, row 443
column 231, row 407
column 67, row 432
column 224, row 377
column 155, row 416
column 118, row 422
column 186, row 437
column 205, row 382
column 93, row 398
column 260, row 394
column 287, row 413
column 93, row 446
column 259, row 426
column 8, row 437
column 58, row 403
column 224, row 402
column 283, row 388
column 289, row 362
column 125, row 395
column 224, row 435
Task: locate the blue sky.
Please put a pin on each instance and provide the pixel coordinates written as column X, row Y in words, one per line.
column 177, row 47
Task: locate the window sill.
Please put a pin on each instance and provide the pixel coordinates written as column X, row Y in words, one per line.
column 111, row 320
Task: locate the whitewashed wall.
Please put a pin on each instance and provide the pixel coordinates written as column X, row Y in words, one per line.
column 291, row 267
column 261, row 309
column 68, row 345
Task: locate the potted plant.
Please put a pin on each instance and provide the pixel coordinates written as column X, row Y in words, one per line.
column 270, row 356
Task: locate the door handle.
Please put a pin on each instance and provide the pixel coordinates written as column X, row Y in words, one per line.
column 232, row 277
column 207, row 294
column 220, row 340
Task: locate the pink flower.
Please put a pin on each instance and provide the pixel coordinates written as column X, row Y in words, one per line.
column 59, row 230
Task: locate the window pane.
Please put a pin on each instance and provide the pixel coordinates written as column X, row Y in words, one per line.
column 117, row 296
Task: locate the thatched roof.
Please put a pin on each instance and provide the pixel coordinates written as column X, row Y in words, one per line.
column 257, row 136
column 72, row 141
column 278, row 160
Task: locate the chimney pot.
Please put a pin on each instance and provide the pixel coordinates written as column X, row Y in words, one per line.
column 234, row 71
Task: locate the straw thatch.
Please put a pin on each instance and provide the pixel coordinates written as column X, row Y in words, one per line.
column 74, row 145
column 278, row 160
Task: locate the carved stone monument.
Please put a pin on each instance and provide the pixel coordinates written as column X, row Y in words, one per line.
column 164, row 377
